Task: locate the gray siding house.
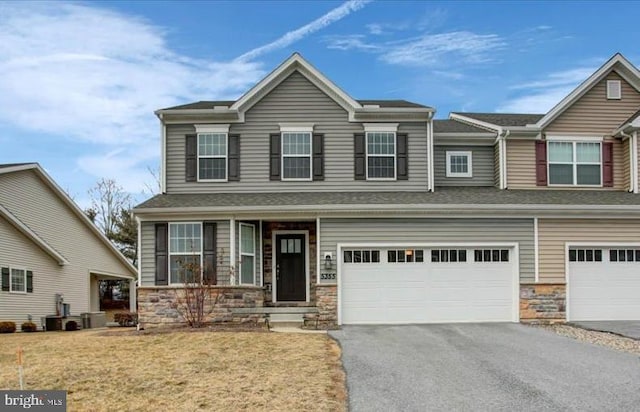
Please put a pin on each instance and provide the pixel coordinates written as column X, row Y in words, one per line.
column 49, row 247
column 299, row 199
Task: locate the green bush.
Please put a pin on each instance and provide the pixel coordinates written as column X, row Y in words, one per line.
column 29, row 327
column 126, row 318
column 7, row 327
column 71, row 325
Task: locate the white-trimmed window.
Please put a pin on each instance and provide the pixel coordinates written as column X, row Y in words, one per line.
column 491, row 255
column 185, row 252
column 448, row 255
column 575, row 163
column 585, row 255
column 247, row 254
column 459, row 164
column 614, row 89
column 405, row 256
column 381, row 155
column 361, row 256
column 212, row 156
column 624, row 255
column 296, row 156
column 18, row 280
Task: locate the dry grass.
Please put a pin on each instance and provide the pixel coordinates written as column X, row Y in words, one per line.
column 180, row 371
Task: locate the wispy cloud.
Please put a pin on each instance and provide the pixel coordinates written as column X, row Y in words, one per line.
column 350, row 42
column 293, row 36
column 541, row 95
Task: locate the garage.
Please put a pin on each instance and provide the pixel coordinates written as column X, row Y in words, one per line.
column 603, row 283
column 428, row 284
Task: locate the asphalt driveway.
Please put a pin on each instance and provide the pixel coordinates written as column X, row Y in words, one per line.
column 488, row 367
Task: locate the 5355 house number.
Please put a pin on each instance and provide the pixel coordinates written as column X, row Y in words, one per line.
column 327, row 276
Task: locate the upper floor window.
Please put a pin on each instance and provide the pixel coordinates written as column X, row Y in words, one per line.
column 459, row 164
column 296, row 156
column 212, row 156
column 185, row 252
column 575, row 163
column 614, row 89
column 381, row 155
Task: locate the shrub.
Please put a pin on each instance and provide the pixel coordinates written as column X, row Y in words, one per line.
column 29, row 327
column 7, row 327
column 71, row 325
column 126, row 318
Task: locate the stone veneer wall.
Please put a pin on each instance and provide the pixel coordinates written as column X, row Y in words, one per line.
column 543, row 302
column 327, row 304
column 157, row 305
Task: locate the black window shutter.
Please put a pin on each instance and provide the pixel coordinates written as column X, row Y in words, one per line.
column 29, row 281
column 274, row 156
column 191, row 158
column 5, row 279
column 209, row 271
column 233, row 158
column 162, row 255
column 360, row 157
column 318, row 157
column 402, row 166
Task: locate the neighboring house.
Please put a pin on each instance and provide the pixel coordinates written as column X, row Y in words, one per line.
column 370, row 211
column 48, row 246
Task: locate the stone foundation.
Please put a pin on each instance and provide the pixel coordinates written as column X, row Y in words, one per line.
column 327, row 304
column 157, row 305
column 543, row 302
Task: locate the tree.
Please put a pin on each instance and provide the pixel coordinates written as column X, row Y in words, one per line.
column 125, row 235
column 108, row 199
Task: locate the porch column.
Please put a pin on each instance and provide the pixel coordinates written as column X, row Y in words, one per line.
column 133, row 295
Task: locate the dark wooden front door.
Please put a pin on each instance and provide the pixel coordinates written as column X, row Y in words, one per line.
column 290, row 268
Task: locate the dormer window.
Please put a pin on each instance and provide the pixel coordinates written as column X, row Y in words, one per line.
column 614, row 90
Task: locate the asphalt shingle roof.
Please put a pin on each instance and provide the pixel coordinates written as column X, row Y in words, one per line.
column 505, row 119
column 453, row 126
column 442, row 196
column 208, row 104
column 631, row 118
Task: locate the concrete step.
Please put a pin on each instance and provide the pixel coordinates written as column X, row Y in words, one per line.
column 277, row 310
column 285, row 317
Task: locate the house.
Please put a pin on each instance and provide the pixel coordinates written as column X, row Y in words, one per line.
column 48, row 247
column 298, row 198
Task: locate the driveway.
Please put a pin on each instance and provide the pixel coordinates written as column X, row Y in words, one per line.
column 484, row 367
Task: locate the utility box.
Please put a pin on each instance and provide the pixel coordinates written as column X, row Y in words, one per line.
column 53, row 323
column 86, row 320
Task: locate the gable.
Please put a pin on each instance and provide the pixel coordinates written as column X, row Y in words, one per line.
column 594, row 113
column 16, row 249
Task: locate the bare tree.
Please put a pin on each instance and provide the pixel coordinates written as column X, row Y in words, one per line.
column 155, row 187
column 108, row 199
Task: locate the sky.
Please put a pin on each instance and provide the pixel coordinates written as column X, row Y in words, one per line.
column 79, row 81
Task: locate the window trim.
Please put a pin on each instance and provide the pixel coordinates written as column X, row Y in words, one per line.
column 253, row 238
column 574, row 142
column 469, row 156
column 24, row 271
column 225, row 157
column 394, row 155
column 610, row 96
column 169, row 254
column 309, row 156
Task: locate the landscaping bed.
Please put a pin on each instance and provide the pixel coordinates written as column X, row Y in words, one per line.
column 610, row 340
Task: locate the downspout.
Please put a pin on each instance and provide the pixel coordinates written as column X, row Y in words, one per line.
column 633, row 160
column 430, row 178
column 133, row 303
column 163, row 144
column 502, row 153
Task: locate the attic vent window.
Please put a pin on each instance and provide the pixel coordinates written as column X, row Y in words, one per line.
column 614, row 90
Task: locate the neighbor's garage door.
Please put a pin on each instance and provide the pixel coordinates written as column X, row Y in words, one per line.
column 604, row 283
column 422, row 285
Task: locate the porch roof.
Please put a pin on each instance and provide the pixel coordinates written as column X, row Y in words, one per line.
column 466, row 198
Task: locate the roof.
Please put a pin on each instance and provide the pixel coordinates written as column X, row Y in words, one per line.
column 444, row 198
column 6, row 165
column 209, row 104
column 631, row 118
column 453, row 126
column 504, row 119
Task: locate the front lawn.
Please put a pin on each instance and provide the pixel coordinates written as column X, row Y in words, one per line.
column 107, row 371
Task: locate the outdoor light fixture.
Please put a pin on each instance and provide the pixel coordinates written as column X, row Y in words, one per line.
column 328, row 260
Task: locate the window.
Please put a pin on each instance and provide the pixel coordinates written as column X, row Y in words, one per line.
column 361, row 256
column 585, row 255
column 248, row 253
column 212, row 156
column 18, row 281
column 296, row 156
column 575, row 163
column 614, row 90
column 459, row 164
column 185, row 252
column 381, row 155
column 491, row 255
column 624, row 255
column 448, row 255
column 405, row 256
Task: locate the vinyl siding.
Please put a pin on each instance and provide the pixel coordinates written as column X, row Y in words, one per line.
column 496, row 166
column 18, row 251
column 482, row 166
column 334, row 231
column 594, row 113
column 147, row 250
column 626, row 164
column 521, row 165
column 553, row 234
column 296, row 100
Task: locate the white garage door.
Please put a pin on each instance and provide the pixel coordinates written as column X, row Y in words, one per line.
column 423, row 285
column 604, row 283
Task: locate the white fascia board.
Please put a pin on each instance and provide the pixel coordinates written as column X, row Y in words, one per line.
column 18, row 168
column 474, row 122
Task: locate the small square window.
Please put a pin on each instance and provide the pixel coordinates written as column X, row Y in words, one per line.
column 348, row 256
column 419, row 256
column 391, row 256
column 459, row 164
column 375, row 256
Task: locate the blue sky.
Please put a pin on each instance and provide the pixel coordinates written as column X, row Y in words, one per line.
column 79, row 81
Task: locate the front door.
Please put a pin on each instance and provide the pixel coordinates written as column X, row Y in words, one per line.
column 290, row 268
